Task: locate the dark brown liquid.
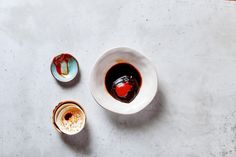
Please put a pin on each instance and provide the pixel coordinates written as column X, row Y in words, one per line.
column 123, row 82
column 67, row 116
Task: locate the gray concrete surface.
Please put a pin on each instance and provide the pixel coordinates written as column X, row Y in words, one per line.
column 192, row 43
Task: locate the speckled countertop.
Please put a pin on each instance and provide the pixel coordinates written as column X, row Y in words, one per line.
column 192, row 44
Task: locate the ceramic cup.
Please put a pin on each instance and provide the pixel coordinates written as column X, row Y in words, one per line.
column 64, row 68
column 69, row 117
column 146, row 69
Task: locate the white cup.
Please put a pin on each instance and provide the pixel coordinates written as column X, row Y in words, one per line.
column 62, row 122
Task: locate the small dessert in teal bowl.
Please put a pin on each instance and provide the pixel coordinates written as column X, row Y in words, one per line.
column 64, row 67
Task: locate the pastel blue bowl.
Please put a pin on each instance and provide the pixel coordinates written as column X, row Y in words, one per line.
column 73, row 68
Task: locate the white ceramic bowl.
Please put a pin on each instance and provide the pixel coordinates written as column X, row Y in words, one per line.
column 147, row 90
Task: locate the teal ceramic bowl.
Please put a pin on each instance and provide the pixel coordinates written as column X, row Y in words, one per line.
column 64, row 67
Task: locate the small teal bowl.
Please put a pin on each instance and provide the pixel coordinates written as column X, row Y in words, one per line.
column 64, row 67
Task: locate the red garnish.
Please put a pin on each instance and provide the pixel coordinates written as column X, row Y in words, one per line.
column 59, row 59
column 122, row 89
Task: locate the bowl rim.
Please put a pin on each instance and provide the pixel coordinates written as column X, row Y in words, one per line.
column 77, row 63
column 135, row 52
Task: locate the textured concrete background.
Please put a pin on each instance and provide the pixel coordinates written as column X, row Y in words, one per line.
column 192, row 43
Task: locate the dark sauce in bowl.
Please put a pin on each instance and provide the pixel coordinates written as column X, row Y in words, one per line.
column 123, row 82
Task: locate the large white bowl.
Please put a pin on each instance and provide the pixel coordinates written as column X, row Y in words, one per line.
column 148, row 73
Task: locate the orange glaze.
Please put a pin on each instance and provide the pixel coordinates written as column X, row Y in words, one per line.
column 59, row 59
